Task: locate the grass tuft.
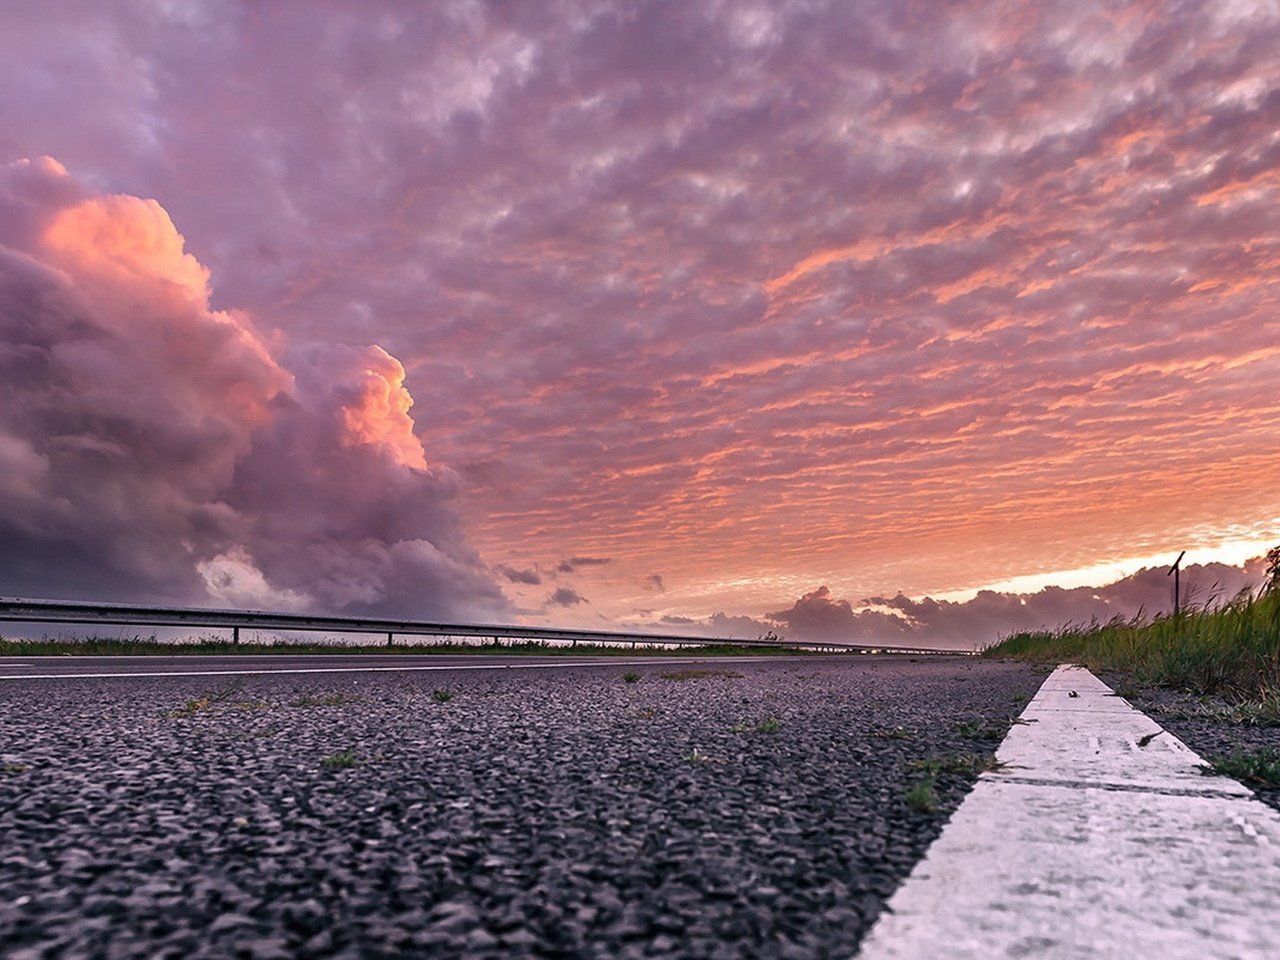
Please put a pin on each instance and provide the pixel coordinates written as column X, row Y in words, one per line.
column 631, row 677
column 343, row 760
column 14, row 768
column 441, row 696
column 190, row 708
column 769, row 725
column 923, row 796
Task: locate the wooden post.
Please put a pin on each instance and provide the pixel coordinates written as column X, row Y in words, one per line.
column 1177, row 584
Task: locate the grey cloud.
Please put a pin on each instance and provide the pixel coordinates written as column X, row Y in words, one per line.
column 519, row 576
column 573, row 564
column 565, row 597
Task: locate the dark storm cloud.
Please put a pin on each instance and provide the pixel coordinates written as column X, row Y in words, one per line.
column 154, row 447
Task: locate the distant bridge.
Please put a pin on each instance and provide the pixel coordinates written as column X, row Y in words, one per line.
column 138, row 615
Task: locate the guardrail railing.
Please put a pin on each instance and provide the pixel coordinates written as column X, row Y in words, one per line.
column 137, row 615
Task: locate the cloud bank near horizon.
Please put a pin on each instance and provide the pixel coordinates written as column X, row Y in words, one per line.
column 820, row 617
column 153, row 447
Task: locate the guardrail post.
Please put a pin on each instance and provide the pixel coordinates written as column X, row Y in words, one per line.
column 390, row 639
column 235, row 635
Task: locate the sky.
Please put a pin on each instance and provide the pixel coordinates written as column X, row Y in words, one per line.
column 849, row 320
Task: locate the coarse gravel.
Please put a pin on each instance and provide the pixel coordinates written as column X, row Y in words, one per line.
column 727, row 810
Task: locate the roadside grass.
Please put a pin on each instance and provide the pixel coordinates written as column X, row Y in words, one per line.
column 327, row 700
column 1230, row 650
column 1259, row 767
column 922, row 796
column 149, row 646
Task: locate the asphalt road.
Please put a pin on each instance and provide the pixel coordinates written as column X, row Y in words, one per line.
column 722, row 809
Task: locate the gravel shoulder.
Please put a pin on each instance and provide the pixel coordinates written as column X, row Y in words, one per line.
column 735, row 810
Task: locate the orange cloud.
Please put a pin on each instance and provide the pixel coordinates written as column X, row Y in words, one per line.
column 379, row 414
column 120, row 239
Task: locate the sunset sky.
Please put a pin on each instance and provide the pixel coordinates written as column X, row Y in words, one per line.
column 618, row 314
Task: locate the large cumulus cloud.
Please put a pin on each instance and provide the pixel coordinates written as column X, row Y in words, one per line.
column 154, row 447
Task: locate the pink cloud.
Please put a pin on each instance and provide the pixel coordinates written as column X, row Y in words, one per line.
column 155, row 447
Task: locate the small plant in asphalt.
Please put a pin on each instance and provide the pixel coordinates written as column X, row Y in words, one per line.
column 768, row 725
column 922, row 796
column 740, row 727
column 197, row 704
column 340, row 761
column 190, row 708
column 1258, row 766
column 441, row 696
column 980, row 730
column 13, row 768
column 631, row 677
column 897, row 733
column 697, row 756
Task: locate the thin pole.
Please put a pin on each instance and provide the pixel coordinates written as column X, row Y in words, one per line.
column 1177, row 583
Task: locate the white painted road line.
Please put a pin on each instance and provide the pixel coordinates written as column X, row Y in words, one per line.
column 455, row 667
column 1102, row 838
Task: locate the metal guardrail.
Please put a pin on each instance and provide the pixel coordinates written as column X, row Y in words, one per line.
column 136, row 615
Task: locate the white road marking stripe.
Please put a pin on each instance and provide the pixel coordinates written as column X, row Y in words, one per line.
column 399, row 669
column 1095, row 845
